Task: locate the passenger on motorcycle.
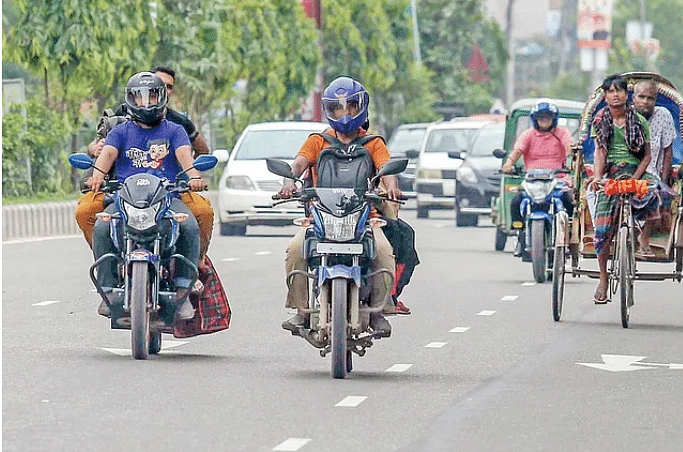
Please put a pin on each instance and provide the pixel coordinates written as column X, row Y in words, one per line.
column 147, row 144
column 544, row 146
column 345, row 104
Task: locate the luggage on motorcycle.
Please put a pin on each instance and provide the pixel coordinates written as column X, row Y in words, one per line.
column 345, row 165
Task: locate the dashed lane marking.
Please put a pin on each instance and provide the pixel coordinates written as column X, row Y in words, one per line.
column 165, row 345
column 459, row 329
column 399, row 368
column 292, row 444
column 487, row 313
column 529, row 283
column 263, row 253
column 435, row 344
column 45, row 303
column 352, row 401
column 230, row 259
column 509, row 298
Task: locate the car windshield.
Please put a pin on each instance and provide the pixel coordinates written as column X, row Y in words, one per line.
column 261, row 144
column 446, row 140
column 488, row 139
column 406, row 140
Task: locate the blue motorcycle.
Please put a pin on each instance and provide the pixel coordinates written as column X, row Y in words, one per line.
column 144, row 231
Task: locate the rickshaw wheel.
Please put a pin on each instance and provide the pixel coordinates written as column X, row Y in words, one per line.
column 501, row 239
column 558, row 282
column 625, row 275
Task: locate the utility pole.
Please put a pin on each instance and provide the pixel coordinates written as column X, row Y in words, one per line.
column 510, row 81
column 416, row 32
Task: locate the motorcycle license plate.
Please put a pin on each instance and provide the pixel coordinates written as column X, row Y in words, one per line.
column 339, row 248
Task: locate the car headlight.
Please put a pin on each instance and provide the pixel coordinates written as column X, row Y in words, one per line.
column 538, row 190
column 239, row 183
column 340, row 229
column 424, row 173
column 466, row 174
column 141, row 219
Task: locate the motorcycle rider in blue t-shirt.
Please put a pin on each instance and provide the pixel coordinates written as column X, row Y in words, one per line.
column 147, row 144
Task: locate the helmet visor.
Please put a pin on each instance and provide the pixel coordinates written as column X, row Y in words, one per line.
column 146, row 97
column 338, row 107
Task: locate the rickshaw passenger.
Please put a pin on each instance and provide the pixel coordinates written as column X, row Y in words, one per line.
column 622, row 147
column 543, row 146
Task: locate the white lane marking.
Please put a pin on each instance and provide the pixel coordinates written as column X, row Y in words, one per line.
column 45, row 303
column 399, row 368
column 509, row 298
column 40, row 239
column 263, row 253
column 165, row 345
column 625, row 363
column 352, row 401
column 440, row 225
column 459, row 329
column 435, row 344
column 291, row 444
column 487, row 313
column 529, row 283
column 230, row 259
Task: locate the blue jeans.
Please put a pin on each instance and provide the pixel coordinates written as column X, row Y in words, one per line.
column 187, row 245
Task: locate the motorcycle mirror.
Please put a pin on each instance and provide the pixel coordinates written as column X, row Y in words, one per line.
column 280, row 168
column 499, row 153
column 205, row 162
column 393, row 166
column 81, row 161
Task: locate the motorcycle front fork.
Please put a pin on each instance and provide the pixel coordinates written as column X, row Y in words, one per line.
column 319, row 299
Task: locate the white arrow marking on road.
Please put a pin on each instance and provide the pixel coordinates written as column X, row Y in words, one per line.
column 435, row 344
column 624, row 363
column 399, row 368
column 529, row 283
column 352, row 401
column 45, row 303
column 487, row 313
column 509, row 298
column 263, row 253
column 126, row 351
column 292, row 444
column 459, row 329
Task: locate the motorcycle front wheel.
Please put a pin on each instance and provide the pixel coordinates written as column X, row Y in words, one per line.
column 139, row 314
column 538, row 250
column 340, row 365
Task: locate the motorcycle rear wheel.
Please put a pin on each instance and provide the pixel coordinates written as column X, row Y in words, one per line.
column 339, row 328
column 139, row 314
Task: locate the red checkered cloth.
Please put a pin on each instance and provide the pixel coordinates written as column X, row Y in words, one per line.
column 212, row 311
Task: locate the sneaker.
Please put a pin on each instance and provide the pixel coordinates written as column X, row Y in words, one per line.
column 103, row 309
column 380, row 325
column 401, row 308
column 185, row 311
column 294, row 323
column 518, row 249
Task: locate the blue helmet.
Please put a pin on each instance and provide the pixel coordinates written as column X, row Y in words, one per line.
column 348, row 96
column 544, row 108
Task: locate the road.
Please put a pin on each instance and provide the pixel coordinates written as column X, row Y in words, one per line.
column 479, row 365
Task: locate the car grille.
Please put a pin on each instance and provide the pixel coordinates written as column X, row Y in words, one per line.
column 269, row 185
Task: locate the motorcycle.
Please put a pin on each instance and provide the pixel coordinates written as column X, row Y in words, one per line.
column 339, row 248
column 545, row 217
column 145, row 233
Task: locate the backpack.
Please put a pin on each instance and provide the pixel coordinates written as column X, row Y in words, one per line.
column 108, row 121
column 345, row 165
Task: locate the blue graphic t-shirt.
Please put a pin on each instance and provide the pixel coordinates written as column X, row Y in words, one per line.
column 149, row 151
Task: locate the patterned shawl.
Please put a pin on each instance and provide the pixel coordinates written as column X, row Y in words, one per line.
column 634, row 133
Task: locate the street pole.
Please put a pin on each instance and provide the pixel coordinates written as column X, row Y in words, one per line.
column 416, row 32
column 510, row 80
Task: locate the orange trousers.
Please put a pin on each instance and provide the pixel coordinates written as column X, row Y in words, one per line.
column 92, row 203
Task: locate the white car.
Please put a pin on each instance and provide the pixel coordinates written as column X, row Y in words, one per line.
column 435, row 177
column 246, row 187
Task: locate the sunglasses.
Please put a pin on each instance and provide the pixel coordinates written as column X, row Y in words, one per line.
column 169, row 86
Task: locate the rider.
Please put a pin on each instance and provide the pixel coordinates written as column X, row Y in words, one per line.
column 345, row 103
column 147, row 144
column 544, row 146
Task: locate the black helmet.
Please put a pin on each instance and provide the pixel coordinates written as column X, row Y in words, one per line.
column 146, row 98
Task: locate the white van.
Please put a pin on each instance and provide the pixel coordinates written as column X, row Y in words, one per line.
column 435, row 177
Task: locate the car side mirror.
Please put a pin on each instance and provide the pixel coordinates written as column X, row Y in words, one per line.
column 221, row 154
column 412, row 154
column 499, row 153
column 456, row 155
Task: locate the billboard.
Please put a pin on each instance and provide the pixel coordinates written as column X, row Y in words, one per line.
column 594, row 26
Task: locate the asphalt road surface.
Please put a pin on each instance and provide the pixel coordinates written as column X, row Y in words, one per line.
column 479, row 366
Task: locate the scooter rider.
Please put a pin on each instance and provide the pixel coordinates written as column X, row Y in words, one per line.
column 345, row 104
column 147, row 144
column 544, row 146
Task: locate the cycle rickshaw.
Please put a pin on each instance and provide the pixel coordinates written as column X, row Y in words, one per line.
column 574, row 242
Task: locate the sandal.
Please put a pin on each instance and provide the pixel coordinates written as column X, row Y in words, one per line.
column 598, row 297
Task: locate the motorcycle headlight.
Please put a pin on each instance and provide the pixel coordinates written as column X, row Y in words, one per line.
column 466, row 174
column 340, row 229
column 141, row 219
column 538, row 190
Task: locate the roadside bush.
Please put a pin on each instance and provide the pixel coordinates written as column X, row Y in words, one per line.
column 35, row 137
